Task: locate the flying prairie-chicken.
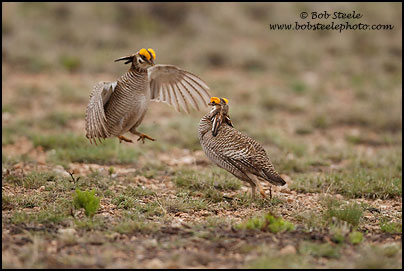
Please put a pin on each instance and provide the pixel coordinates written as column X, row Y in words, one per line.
column 239, row 154
column 118, row 107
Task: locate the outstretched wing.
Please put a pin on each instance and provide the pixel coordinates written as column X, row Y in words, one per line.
column 177, row 87
column 95, row 115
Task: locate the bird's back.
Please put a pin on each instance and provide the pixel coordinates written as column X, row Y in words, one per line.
column 232, row 150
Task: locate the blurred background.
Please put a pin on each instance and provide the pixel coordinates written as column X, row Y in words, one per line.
column 297, row 92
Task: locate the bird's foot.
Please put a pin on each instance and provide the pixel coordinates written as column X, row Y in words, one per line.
column 122, row 138
column 143, row 136
column 262, row 192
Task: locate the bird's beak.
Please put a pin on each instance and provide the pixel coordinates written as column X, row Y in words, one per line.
column 217, row 121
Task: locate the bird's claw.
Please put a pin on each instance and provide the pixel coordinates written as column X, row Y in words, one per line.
column 122, row 138
column 143, row 136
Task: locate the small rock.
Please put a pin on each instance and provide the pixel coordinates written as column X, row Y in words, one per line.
column 52, row 248
column 114, row 236
column 142, row 179
column 18, row 165
column 60, row 169
column 290, row 156
column 289, row 249
column 187, row 160
column 151, row 242
column 339, row 197
column 176, row 224
column 285, row 189
column 155, row 264
column 70, row 231
column 6, row 116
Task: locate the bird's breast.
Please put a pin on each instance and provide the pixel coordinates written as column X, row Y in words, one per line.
column 127, row 105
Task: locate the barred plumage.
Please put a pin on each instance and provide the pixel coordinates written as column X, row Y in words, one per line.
column 239, row 154
column 129, row 103
column 118, row 107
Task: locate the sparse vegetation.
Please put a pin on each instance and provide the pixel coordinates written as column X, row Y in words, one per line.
column 370, row 177
column 355, row 237
column 132, row 227
column 391, row 227
column 350, row 213
column 320, row 250
column 267, row 223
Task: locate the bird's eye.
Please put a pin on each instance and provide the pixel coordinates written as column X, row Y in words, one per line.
column 140, row 61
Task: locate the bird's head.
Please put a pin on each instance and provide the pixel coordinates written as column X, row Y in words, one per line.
column 219, row 113
column 143, row 59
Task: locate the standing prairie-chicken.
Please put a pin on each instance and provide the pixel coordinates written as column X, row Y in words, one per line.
column 239, row 154
column 118, row 107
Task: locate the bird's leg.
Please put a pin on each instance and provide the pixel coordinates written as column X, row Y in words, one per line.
column 262, row 192
column 122, row 138
column 141, row 135
column 253, row 190
column 270, row 191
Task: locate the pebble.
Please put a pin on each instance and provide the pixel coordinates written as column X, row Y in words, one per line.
column 155, row 263
column 151, row 242
column 289, row 249
column 70, row 231
column 60, row 169
column 338, row 196
column 18, row 165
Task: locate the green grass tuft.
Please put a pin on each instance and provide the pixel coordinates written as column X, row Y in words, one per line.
column 267, row 222
column 47, row 217
column 93, row 223
column 350, row 213
column 130, row 227
column 123, row 202
column 325, row 250
column 355, row 237
column 33, row 180
column 87, row 200
column 390, row 227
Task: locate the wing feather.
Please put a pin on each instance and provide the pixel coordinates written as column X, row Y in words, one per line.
column 181, row 99
column 177, row 87
column 201, row 85
column 192, row 86
column 188, row 95
column 95, row 116
column 171, row 89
